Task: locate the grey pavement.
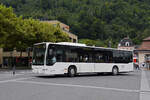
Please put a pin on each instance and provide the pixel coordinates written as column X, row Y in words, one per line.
column 8, row 74
column 17, row 71
column 144, row 90
column 27, row 86
column 148, row 76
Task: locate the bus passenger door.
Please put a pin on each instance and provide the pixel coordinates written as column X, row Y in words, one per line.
column 86, row 65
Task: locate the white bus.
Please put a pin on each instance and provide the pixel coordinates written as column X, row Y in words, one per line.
column 74, row 58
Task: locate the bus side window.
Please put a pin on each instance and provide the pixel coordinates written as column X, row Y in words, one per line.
column 80, row 58
column 86, row 58
column 71, row 55
column 83, row 58
column 99, row 58
column 59, row 55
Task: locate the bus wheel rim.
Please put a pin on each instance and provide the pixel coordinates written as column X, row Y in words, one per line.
column 115, row 71
column 72, row 71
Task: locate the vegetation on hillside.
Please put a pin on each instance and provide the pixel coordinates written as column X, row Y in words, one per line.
column 95, row 20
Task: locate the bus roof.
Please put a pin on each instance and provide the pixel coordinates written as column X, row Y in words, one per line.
column 79, row 45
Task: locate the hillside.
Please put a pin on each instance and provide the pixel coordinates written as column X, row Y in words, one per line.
column 100, row 20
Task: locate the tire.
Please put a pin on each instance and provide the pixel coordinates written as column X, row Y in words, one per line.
column 71, row 72
column 115, row 71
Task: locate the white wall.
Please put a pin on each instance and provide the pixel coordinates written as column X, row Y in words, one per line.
column 141, row 56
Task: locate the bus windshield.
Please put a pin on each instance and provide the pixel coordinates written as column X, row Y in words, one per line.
column 39, row 54
column 51, row 55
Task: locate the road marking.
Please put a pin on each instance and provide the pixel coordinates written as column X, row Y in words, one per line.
column 4, row 75
column 17, row 79
column 79, row 86
column 145, row 90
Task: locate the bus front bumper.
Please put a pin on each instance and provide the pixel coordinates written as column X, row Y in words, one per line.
column 47, row 71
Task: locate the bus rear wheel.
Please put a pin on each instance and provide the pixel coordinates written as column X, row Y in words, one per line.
column 115, row 71
column 71, row 72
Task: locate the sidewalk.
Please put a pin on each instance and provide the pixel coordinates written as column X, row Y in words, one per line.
column 148, row 76
column 145, row 85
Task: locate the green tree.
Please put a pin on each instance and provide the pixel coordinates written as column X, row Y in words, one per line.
column 7, row 23
column 20, row 33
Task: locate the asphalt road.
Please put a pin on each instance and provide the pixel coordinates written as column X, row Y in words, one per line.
column 27, row 86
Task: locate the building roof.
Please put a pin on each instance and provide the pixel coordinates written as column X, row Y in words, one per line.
column 147, row 39
column 145, row 44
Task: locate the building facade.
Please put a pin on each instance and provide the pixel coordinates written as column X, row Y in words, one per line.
column 126, row 44
column 22, row 58
column 65, row 28
column 144, row 53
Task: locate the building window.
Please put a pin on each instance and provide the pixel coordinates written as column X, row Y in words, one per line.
column 74, row 40
column 147, row 57
column 127, row 44
column 54, row 25
column 70, row 39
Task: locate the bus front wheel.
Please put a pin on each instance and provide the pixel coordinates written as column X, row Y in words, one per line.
column 115, row 70
column 71, row 72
